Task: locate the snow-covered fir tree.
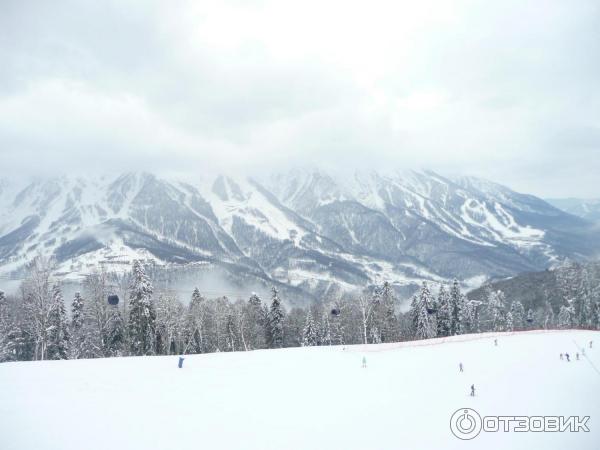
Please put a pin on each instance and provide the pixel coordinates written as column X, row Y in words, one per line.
column 456, row 307
column 79, row 339
column 194, row 332
column 530, row 319
column 115, row 333
column 548, row 315
column 142, row 316
column 518, row 315
column 443, row 312
column 509, row 322
column 596, row 315
column 7, row 344
column 496, row 310
column 169, row 314
column 309, row 334
column 255, row 323
column 230, row 332
column 565, row 317
column 325, row 338
column 276, row 317
column 423, row 324
column 390, row 331
column 469, row 315
column 58, row 330
column 337, row 323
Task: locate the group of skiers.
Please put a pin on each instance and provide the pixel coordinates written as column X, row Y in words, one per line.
column 566, row 356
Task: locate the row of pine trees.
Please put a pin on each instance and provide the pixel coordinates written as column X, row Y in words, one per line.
column 37, row 326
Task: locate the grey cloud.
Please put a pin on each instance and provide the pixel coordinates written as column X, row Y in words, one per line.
column 501, row 90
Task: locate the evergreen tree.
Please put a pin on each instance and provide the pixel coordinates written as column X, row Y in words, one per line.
column 390, row 331
column 496, row 310
column 337, row 322
column 7, row 337
column 115, row 337
column 518, row 315
column 58, row 332
column 309, row 334
column 78, row 330
column 456, row 307
column 195, row 324
column 230, row 330
column 256, row 323
column 548, row 315
column 569, row 281
column 509, row 322
column 276, row 317
column 596, row 316
column 142, row 316
column 443, row 312
column 325, row 338
column 530, row 319
column 469, row 318
column 565, row 317
column 423, row 325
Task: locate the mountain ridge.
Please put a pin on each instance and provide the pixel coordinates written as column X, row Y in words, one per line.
column 305, row 229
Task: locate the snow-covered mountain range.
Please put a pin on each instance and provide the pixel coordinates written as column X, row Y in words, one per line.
column 307, row 230
column 587, row 208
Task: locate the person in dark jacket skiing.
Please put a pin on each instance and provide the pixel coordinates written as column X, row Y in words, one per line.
column 567, row 356
column 472, row 390
column 460, row 367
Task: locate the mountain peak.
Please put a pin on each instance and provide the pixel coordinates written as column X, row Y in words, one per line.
column 305, row 229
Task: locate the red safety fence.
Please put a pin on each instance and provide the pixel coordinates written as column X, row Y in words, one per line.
column 456, row 339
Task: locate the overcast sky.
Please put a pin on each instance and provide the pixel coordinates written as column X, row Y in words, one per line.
column 506, row 90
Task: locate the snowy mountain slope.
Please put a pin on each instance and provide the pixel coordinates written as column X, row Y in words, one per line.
column 305, row 229
column 588, row 209
column 301, row 398
column 477, row 226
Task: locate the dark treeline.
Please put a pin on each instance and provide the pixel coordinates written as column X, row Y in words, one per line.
column 35, row 324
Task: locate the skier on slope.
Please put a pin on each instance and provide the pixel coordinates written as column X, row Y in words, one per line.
column 496, row 342
column 561, row 357
column 472, row 390
column 567, row 356
column 460, row 367
column 591, row 342
column 577, row 356
column 364, row 362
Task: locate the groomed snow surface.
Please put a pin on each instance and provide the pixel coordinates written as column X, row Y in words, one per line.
column 306, row 398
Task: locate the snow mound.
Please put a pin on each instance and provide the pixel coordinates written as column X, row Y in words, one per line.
column 306, row 398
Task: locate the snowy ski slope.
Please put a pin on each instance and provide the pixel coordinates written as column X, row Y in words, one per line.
column 306, row 398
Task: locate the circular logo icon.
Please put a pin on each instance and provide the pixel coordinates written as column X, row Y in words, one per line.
column 465, row 423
